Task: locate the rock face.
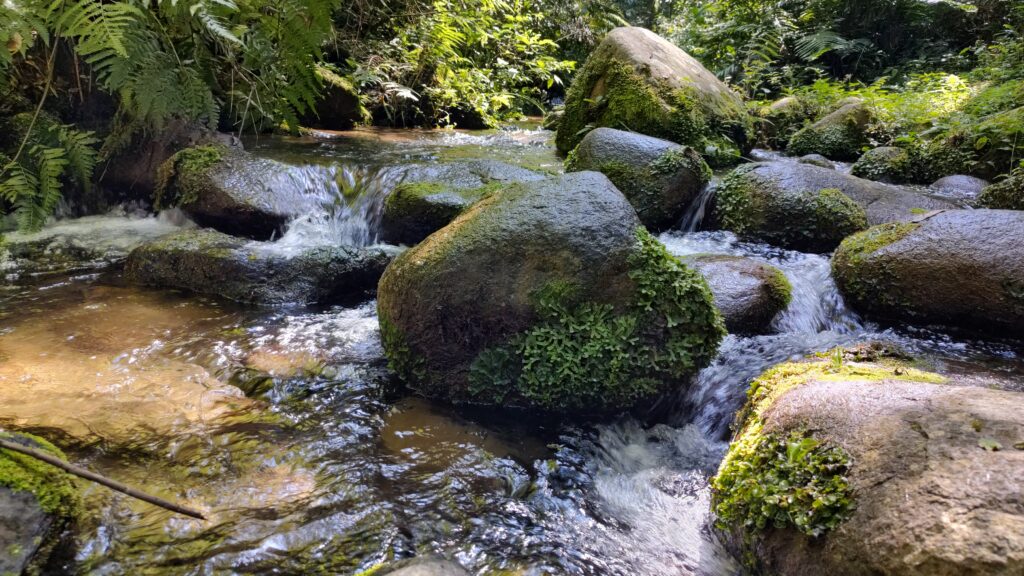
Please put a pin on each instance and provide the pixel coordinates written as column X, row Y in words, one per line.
column 547, row 294
column 210, row 262
column 430, row 197
column 638, row 79
column 1007, row 194
column 958, row 268
column 234, row 192
column 748, row 293
column 810, row 208
column 887, row 470
column 839, row 136
column 959, row 187
column 885, row 164
column 37, row 504
column 659, row 178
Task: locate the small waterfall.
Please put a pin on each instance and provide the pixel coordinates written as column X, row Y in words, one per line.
column 695, row 213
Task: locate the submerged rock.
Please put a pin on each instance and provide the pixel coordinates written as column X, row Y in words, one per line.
column 430, row 197
column 210, row 262
column 748, row 293
column 38, row 503
column 809, row 208
column 233, row 191
column 960, row 187
column 659, row 178
column 848, row 467
column 638, row 79
column 547, row 294
column 839, row 136
column 957, row 268
column 886, row 164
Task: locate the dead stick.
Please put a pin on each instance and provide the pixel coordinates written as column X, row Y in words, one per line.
column 112, row 484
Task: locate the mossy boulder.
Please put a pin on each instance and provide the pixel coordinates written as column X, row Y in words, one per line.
column 957, row 268
column 38, row 505
column 816, row 160
column 960, row 187
column 848, row 466
column 339, row 107
column 235, row 192
column 548, row 295
column 1008, row 194
column 840, row 135
column 748, row 293
column 779, row 120
column 429, row 197
column 211, row 262
column 659, row 178
column 885, row 164
column 809, row 208
column 639, row 81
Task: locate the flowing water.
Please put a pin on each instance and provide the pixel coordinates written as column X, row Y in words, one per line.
column 284, row 426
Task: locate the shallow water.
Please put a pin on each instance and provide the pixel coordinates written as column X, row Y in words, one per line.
column 323, row 465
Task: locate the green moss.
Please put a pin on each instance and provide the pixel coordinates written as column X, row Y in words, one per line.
column 54, row 489
column 628, row 99
column 409, row 366
column 886, row 164
column 586, row 355
column 780, row 288
column 839, row 136
column 847, row 264
column 777, row 479
column 835, row 210
column 177, row 181
column 1007, row 194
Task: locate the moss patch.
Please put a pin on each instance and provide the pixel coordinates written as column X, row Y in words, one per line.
column 838, row 136
column 54, row 489
column 886, row 164
column 868, row 287
column 1006, row 195
column 177, row 179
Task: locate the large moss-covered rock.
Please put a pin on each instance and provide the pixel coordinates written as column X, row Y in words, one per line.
column 639, row 81
column 339, row 107
column 886, row 164
column 839, row 136
column 957, row 267
column 38, row 503
column 429, row 197
column 548, row 294
column 659, row 178
column 748, row 293
column 210, row 262
column 849, row 466
column 233, row 191
column 810, row 208
column 1007, row 194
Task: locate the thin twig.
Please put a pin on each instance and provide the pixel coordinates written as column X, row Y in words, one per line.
column 112, row 484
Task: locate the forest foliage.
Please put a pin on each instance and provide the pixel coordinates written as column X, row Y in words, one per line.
column 81, row 78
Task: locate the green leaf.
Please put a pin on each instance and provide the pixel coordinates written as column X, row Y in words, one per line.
column 990, row 444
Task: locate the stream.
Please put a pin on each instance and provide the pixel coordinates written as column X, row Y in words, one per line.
column 284, row 426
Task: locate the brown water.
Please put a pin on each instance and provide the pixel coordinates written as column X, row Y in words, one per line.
column 285, row 428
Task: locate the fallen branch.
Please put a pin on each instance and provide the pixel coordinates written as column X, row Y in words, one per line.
column 112, row 484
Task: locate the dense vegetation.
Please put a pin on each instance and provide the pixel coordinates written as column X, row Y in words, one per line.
column 82, row 78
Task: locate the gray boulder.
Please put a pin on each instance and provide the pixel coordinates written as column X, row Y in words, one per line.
column 659, row 178
column 210, row 262
column 873, row 467
column 429, row 197
column 817, row 160
column 839, row 136
column 748, row 293
column 638, row 79
column 959, row 187
column 547, row 294
column 809, row 208
column 957, row 268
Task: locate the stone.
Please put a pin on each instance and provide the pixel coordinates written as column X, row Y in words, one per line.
column 638, row 79
column 817, row 160
column 748, row 293
column 960, row 187
column 885, row 164
column 338, row 108
column 1007, row 194
column 838, row 136
column 659, row 178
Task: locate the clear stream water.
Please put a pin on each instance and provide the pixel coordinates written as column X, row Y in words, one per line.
column 283, row 425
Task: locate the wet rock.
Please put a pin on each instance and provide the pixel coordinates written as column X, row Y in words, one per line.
column 885, row 164
column 810, row 208
column 659, row 178
column 839, row 136
column 210, row 262
column 338, row 108
column 960, row 187
column 429, row 566
column 430, row 197
column 1007, row 194
column 956, row 268
column 38, row 503
column 748, row 293
column 638, row 79
column 548, row 294
column 235, row 192
column 897, row 471
column 817, row 160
